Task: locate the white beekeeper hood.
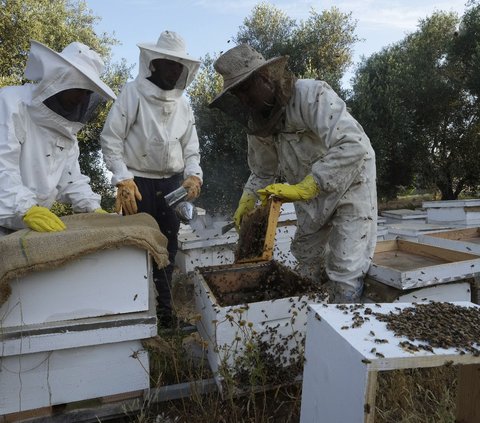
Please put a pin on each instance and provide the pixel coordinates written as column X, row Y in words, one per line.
column 172, row 47
column 77, row 66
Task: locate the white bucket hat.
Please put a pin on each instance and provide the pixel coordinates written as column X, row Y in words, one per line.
column 76, row 54
column 238, row 64
column 170, row 44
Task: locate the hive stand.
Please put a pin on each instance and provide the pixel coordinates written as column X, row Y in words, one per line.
column 340, row 374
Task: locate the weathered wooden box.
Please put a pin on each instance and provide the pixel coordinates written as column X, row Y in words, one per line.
column 107, row 282
column 407, row 265
column 463, row 212
column 466, row 240
column 233, row 321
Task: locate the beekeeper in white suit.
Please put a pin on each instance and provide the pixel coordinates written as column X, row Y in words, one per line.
column 38, row 145
column 301, row 131
column 150, row 144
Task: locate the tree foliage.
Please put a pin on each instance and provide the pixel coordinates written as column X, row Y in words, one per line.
column 418, row 101
column 56, row 24
column 320, row 47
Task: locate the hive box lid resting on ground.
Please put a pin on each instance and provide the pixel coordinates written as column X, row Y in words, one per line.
column 465, row 212
column 242, row 311
column 404, row 215
column 339, row 378
column 466, row 240
column 407, row 265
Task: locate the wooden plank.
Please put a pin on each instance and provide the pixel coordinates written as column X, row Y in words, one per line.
column 121, row 409
column 273, row 215
column 384, row 246
column 370, row 395
column 25, row 415
column 470, row 234
column 434, row 252
column 468, row 394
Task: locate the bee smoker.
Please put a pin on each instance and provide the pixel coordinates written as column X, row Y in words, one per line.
column 185, row 210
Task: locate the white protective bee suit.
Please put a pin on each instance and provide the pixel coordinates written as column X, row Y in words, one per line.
column 151, row 132
column 336, row 231
column 38, row 147
column 150, row 137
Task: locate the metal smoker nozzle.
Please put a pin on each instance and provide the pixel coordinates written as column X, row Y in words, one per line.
column 175, row 196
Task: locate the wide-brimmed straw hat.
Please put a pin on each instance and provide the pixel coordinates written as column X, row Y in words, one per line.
column 237, row 64
column 76, row 54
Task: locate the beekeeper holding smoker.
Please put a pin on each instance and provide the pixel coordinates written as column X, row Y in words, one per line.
column 150, row 145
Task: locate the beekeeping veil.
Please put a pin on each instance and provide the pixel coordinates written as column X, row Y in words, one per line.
column 169, row 46
column 236, row 66
column 77, row 66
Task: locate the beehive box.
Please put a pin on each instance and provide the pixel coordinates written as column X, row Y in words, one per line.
column 340, row 376
column 407, row 265
column 234, row 319
column 208, row 248
column 411, row 231
column 211, row 248
column 62, row 362
column 466, row 240
column 103, row 283
column 75, row 332
column 462, row 212
column 404, row 215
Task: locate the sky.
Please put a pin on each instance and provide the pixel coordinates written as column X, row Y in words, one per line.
column 209, row 25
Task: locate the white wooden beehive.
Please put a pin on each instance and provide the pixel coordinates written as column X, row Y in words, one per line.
column 229, row 329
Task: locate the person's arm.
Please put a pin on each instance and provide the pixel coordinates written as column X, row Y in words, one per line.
column 263, row 163
column 191, row 149
column 348, row 147
column 115, row 131
column 74, row 187
column 15, row 198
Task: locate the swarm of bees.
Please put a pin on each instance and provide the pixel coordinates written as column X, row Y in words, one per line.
column 275, row 281
column 438, row 325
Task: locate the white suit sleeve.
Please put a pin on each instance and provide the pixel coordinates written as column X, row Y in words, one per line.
column 190, row 146
column 262, row 161
column 74, row 187
column 114, row 133
column 348, row 147
column 15, row 198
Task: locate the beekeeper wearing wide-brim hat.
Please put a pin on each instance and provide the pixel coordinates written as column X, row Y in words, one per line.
column 150, row 143
column 301, row 130
column 38, row 145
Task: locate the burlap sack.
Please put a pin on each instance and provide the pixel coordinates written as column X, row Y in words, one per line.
column 27, row 251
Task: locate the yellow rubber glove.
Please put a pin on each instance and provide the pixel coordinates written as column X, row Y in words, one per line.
column 100, row 210
column 41, row 219
column 127, row 194
column 303, row 191
column 193, row 185
column 245, row 205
